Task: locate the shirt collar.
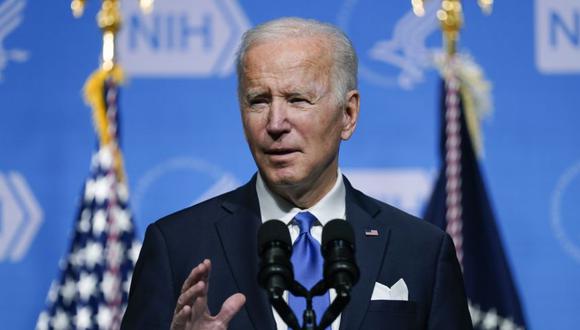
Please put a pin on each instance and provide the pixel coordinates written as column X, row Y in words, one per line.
column 331, row 206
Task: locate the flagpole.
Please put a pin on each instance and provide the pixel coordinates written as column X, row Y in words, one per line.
column 451, row 17
column 109, row 20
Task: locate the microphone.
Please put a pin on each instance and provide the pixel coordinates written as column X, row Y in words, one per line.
column 340, row 269
column 275, row 248
column 275, row 273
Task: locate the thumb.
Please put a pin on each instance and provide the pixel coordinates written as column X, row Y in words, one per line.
column 231, row 307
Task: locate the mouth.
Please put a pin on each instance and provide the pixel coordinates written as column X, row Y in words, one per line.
column 280, row 154
column 280, row 151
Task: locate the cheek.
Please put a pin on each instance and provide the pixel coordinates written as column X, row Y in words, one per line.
column 330, row 137
column 251, row 125
column 320, row 137
column 328, row 129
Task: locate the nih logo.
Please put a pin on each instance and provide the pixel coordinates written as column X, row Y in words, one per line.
column 194, row 38
column 558, row 36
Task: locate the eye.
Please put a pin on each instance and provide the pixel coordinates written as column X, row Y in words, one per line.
column 299, row 100
column 258, row 101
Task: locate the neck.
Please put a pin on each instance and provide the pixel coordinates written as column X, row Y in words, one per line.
column 305, row 196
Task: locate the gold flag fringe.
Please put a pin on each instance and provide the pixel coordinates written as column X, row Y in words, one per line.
column 93, row 95
column 475, row 91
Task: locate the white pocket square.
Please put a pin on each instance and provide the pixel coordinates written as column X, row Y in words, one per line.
column 398, row 291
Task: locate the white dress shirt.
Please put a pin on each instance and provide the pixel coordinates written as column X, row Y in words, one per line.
column 331, row 206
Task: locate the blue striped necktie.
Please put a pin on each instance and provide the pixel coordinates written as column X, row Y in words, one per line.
column 308, row 262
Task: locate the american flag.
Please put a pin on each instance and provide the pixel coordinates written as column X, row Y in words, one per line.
column 93, row 286
column 372, row 233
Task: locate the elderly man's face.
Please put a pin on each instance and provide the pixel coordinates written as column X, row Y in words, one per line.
column 290, row 115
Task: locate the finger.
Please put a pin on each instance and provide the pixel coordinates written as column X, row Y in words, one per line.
column 180, row 319
column 200, row 272
column 200, row 305
column 207, row 274
column 231, row 306
column 199, row 302
column 197, row 273
column 188, row 297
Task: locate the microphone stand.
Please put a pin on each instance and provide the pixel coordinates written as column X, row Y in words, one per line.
column 277, row 300
column 309, row 315
column 335, row 308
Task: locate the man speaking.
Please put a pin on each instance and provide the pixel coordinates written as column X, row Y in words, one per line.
column 297, row 88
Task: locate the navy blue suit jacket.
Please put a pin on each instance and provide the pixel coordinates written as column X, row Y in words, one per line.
column 224, row 229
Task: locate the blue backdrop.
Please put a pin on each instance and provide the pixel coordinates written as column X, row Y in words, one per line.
column 183, row 141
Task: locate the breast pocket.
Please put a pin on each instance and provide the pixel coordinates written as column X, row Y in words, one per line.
column 391, row 314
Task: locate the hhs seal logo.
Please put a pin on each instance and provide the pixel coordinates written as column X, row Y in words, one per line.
column 195, row 38
column 390, row 56
column 564, row 211
column 10, row 19
column 177, row 183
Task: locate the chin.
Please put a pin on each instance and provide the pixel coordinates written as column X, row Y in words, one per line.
column 281, row 177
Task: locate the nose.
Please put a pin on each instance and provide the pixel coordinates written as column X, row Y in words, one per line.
column 278, row 123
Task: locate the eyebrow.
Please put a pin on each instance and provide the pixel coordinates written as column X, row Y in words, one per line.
column 300, row 93
column 253, row 93
column 312, row 91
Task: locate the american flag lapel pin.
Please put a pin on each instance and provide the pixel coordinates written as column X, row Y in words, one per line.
column 371, row 233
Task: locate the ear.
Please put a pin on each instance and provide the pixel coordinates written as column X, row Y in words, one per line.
column 350, row 115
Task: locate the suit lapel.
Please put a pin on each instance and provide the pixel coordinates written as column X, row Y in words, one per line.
column 370, row 251
column 238, row 234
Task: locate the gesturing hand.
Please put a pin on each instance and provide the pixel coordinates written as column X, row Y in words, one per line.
column 191, row 312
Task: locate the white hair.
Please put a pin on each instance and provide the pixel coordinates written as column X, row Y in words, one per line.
column 344, row 60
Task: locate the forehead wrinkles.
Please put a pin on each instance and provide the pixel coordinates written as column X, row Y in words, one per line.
column 297, row 65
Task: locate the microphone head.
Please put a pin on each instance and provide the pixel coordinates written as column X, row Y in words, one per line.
column 275, row 248
column 338, row 249
column 337, row 229
column 273, row 230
